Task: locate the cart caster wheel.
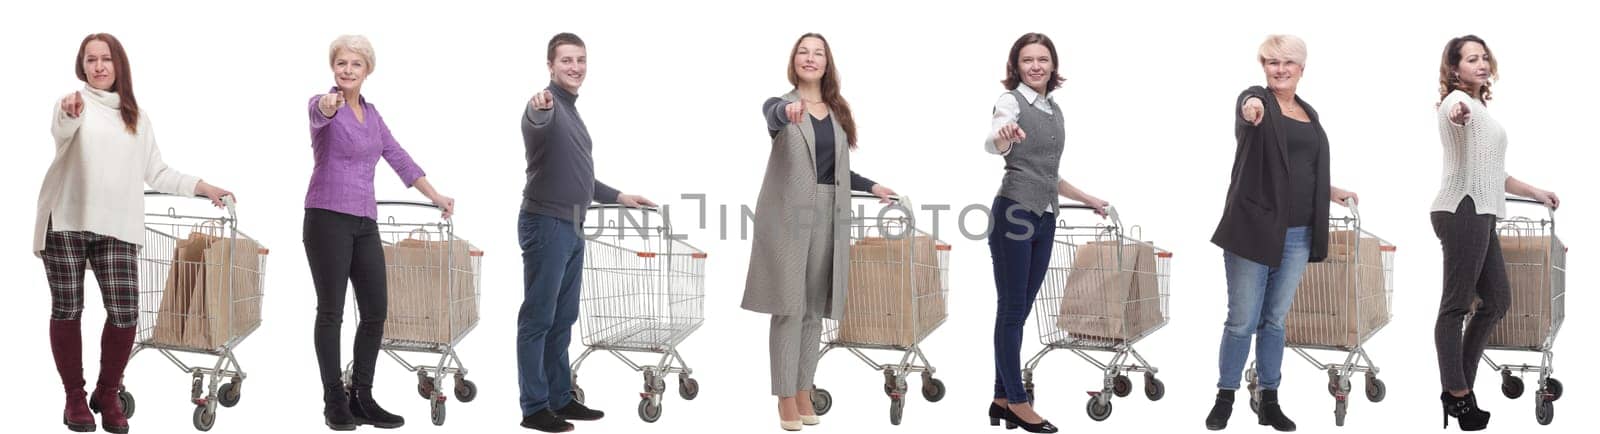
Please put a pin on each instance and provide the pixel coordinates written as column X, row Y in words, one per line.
column 1028, row 386
column 1338, row 386
column 126, row 399
column 1122, row 386
column 466, row 390
column 1340, row 408
column 436, row 412
column 1544, row 412
column 821, row 401
column 1376, row 390
column 424, row 387
column 649, row 411
column 897, row 410
column 1098, row 411
column 1511, row 386
column 577, row 394
column 688, row 388
column 228, row 395
column 1255, row 405
column 204, row 418
column 1552, row 389
column 933, row 390
column 1154, row 389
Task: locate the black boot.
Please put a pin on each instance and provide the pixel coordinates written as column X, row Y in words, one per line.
column 367, row 411
column 1220, row 411
column 336, row 409
column 1465, row 410
column 1271, row 414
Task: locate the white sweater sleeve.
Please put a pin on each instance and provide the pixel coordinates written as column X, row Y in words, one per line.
column 1005, row 112
column 156, row 173
column 64, row 128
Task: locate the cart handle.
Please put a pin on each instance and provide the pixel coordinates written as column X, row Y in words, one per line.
column 1523, row 200
column 892, row 197
column 227, row 201
column 1111, row 211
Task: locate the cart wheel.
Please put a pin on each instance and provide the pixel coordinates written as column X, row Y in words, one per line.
column 1154, row 389
column 1511, row 386
column 649, row 411
column 1544, row 412
column 436, row 412
column 821, row 401
column 577, row 394
column 1552, row 388
column 1338, row 386
column 1339, row 409
column 126, row 399
column 1097, row 411
column 466, row 390
column 1028, row 386
column 688, row 388
column 229, row 395
column 897, row 410
column 933, row 390
column 424, row 387
column 1255, row 405
column 1122, row 386
column 1376, row 390
column 204, row 418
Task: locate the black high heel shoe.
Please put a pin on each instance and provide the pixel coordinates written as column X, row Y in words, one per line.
column 1013, row 422
column 1465, row 409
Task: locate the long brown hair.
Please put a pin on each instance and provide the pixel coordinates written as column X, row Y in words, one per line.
column 830, row 86
column 1449, row 80
column 123, row 84
column 1013, row 69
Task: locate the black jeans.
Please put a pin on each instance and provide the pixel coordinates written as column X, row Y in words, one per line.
column 344, row 248
column 1473, row 269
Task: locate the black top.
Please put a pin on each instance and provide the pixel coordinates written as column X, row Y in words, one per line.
column 1255, row 215
column 1302, row 171
column 825, row 144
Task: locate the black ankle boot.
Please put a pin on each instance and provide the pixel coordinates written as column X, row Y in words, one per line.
column 1220, row 411
column 367, row 411
column 1271, row 414
column 1465, row 410
column 336, row 410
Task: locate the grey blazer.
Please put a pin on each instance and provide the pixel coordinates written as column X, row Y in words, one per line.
column 775, row 281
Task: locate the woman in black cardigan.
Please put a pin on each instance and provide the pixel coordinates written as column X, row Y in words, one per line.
column 1274, row 221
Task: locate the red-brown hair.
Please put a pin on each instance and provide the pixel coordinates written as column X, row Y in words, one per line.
column 123, row 84
column 830, row 86
column 1014, row 66
column 1450, row 80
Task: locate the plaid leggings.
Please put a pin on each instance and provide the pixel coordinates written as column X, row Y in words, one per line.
column 115, row 263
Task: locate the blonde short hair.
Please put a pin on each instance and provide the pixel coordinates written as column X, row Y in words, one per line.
column 355, row 44
column 1283, row 47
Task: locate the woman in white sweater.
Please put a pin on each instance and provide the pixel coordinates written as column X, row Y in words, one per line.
column 1471, row 198
column 91, row 217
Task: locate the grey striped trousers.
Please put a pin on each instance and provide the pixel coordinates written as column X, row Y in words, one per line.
column 794, row 340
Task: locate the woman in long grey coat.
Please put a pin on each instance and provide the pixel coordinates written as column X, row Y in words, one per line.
column 799, row 261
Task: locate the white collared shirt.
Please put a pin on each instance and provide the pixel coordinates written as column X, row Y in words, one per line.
column 1006, row 112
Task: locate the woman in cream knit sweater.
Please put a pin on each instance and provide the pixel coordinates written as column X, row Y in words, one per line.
column 1472, row 196
column 91, row 216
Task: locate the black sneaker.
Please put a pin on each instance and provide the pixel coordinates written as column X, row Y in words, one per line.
column 576, row 411
column 547, row 421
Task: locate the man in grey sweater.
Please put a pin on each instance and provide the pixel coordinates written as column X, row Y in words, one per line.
column 560, row 187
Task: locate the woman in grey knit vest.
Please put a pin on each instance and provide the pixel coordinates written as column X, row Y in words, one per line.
column 1028, row 131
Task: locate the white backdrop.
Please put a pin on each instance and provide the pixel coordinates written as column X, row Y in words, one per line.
column 672, row 100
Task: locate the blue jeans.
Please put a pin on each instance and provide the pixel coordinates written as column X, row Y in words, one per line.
column 1019, row 269
column 1258, row 299
column 552, row 274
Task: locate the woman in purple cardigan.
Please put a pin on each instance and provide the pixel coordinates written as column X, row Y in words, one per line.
column 341, row 229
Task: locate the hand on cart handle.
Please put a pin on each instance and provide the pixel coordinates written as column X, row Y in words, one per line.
column 1547, row 198
column 795, row 111
column 446, row 204
column 634, row 201
column 885, row 194
column 216, row 194
column 1340, row 196
column 1459, row 114
column 1252, row 110
column 72, row 105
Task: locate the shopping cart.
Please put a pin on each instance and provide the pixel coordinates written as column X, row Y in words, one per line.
column 899, row 280
column 200, row 288
column 1105, row 291
column 433, row 280
column 643, row 292
column 1536, row 263
column 1340, row 304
